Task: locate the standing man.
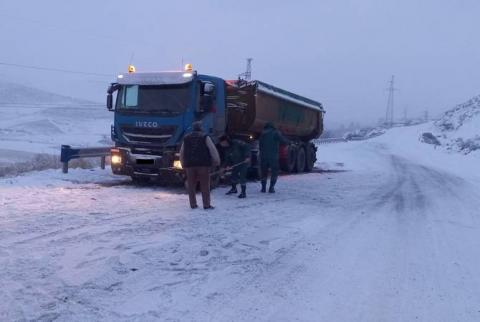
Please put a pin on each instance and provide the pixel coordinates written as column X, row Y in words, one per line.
column 269, row 144
column 236, row 156
column 197, row 155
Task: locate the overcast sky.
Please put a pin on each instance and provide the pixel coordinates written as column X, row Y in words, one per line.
column 339, row 52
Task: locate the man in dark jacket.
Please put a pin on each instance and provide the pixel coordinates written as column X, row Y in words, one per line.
column 236, row 157
column 197, row 154
column 269, row 144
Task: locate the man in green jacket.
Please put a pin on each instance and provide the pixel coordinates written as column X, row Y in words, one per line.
column 236, row 158
column 269, row 144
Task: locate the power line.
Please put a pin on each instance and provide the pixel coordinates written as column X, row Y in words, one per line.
column 54, row 69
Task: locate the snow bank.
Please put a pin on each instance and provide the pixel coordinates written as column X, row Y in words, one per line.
column 407, row 142
column 459, row 128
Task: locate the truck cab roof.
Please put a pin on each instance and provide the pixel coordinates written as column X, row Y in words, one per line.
column 156, row 78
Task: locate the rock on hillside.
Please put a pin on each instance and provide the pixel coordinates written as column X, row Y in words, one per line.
column 459, row 128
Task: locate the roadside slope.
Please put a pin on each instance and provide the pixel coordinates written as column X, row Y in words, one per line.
column 36, row 123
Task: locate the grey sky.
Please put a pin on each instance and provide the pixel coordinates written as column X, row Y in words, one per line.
column 341, row 53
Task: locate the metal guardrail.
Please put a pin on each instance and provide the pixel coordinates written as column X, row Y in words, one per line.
column 68, row 153
column 330, row 140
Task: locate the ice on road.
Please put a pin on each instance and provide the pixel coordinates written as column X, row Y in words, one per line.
column 381, row 236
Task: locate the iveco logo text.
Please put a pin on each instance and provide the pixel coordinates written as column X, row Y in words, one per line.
column 146, row 124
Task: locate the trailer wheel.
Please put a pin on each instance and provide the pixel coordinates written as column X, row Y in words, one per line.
column 288, row 162
column 300, row 164
column 310, row 157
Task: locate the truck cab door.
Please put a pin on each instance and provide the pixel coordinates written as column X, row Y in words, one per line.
column 207, row 98
column 210, row 106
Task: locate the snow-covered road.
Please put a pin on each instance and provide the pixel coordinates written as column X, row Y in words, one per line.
column 391, row 238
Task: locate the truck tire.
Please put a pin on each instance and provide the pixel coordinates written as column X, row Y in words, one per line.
column 288, row 162
column 310, row 157
column 300, row 164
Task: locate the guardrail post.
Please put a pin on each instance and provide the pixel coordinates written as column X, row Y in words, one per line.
column 102, row 163
column 65, row 157
column 65, row 167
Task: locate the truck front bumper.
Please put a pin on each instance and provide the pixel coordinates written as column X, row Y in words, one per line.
column 158, row 167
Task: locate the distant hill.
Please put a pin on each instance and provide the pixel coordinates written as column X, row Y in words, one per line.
column 11, row 93
column 35, row 123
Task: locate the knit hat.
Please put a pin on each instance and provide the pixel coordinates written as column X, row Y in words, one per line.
column 197, row 126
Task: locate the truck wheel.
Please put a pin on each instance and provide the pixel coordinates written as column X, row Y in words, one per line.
column 288, row 162
column 300, row 164
column 310, row 157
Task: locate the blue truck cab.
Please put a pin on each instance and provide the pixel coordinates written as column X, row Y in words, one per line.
column 153, row 112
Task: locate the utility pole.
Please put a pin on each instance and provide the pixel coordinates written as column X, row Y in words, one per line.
column 389, row 116
column 247, row 75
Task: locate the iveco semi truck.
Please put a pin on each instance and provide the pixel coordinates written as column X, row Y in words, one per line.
column 154, row 110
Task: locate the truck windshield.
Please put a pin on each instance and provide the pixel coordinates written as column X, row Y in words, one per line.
column 172, row 99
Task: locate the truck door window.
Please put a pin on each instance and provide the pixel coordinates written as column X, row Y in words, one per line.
column 131, row 96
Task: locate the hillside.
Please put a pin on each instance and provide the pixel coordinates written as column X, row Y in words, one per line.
column 35, row 123
column 459, row 128
column 17, row 94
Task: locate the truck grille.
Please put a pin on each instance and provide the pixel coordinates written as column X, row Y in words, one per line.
column 158, row 135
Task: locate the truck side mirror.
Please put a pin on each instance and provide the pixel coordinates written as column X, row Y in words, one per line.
column 111, row 89
column 208, row 89
column 109, row 101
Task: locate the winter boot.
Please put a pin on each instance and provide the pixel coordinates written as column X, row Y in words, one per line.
column 272, row 186
column 232, row 190
column 264, row 186
column 243, row 194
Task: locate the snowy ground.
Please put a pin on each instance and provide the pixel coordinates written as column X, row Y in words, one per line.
column 34, row 124
column 391, row 232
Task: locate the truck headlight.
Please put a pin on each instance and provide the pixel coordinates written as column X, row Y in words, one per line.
column 116, row 159
column 177, row 164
